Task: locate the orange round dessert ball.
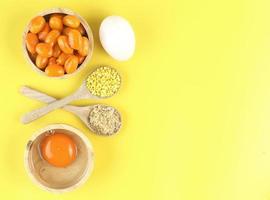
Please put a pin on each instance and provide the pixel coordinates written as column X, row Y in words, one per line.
column 55, row 22
column 37, row 24
column 55, row 70
column 58, row 149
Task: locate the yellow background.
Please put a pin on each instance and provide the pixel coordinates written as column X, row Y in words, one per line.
column 195, row 102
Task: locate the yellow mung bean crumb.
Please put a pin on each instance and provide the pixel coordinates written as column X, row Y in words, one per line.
column 103, row 82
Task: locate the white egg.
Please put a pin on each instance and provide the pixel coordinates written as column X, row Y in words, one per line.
column 117, row 37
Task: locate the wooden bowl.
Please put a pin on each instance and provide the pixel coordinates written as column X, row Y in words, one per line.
column 89, row 34
column 57, row 179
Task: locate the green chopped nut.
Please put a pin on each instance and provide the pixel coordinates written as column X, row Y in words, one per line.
column 103, row 82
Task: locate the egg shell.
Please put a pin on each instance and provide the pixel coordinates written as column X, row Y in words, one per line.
column 117, row 37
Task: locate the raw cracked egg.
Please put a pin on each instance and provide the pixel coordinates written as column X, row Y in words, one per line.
column 117, row 37
column 58, row 149
column 59, row 158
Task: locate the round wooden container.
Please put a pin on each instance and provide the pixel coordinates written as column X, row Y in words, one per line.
column 55, row 179
column 89, row 34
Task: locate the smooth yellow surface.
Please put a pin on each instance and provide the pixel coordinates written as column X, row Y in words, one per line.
column 195, row 102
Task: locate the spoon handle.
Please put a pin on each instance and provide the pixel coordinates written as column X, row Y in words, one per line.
column 35, row 114
column 34, row 94
column 40, row 96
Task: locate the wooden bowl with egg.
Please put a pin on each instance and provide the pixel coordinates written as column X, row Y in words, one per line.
column 55, row 172
column 58, row 43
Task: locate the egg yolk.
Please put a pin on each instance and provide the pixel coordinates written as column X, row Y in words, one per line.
column 58, row 149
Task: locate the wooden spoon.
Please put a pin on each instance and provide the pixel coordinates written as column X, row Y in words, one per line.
column 82, row 93
column 80, row 111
